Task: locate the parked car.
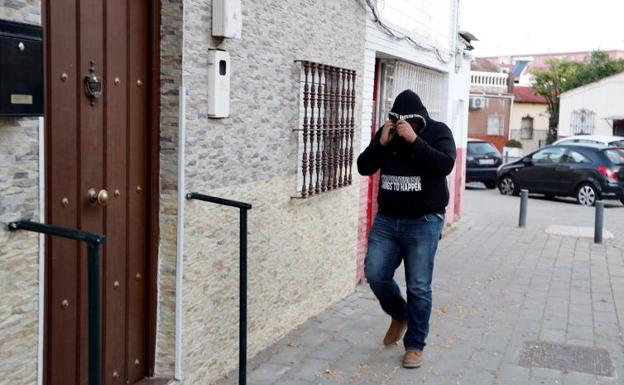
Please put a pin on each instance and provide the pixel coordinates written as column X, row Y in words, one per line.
column 482, row 161
column 614, row 141
column 584, row 171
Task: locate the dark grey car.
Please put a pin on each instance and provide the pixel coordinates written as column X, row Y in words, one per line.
column 586, row 172
column 482, row 161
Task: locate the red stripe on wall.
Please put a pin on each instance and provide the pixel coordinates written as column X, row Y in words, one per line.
column 460, row 181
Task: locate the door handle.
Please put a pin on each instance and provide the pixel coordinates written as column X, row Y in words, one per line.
column 97, row 197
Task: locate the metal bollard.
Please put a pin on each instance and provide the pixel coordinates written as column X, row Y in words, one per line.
column 599, row 224
column 524, row 201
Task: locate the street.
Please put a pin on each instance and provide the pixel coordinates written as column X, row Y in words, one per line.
column 505, row 300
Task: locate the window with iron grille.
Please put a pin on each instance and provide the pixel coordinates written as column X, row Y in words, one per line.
column 526, row 128
column 326, row 128
column 582, row 122
column 430, row 85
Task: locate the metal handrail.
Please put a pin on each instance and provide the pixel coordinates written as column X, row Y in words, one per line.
column 243, row 207
column 93, row 242
column 220, row 201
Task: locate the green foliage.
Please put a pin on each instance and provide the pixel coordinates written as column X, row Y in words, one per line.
column 563, row 75
column 512, row 143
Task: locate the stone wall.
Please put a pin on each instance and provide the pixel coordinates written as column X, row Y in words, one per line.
column 302, row 254
column 19, row 252
column 171, row 35
column 301, row 259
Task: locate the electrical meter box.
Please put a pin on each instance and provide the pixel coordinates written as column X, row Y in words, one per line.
column 227, row 20
column 218, row 84
column 21, row 69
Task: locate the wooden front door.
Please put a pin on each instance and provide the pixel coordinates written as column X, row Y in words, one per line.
column 98, row 145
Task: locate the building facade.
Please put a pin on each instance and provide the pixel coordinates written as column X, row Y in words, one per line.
column 592, row 109
column 418, row 47
column 170, row 270
column 529, row 123
column 146, row 102
column 491, row 101
column 522, row 66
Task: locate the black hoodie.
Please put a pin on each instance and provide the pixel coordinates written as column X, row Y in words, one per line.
column 413, row 175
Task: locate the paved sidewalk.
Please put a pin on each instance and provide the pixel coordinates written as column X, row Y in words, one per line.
column 498, row 292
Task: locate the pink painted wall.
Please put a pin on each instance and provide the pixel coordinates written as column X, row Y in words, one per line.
column 456, row 182
column 363, row 227
column 460, row 183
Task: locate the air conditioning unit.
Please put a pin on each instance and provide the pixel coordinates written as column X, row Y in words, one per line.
column 477, row 102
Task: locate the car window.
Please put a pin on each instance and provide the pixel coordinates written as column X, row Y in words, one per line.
column 481, row 148
column 616, row 156
column 574, row 157
column 617, row 143
column 548, row 155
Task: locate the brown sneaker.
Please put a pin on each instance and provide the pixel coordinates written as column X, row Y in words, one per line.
column 395, row 332
column 412, row 359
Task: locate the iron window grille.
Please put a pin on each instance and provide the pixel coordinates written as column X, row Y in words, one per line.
column 430, row 85
column 582, row 122
column 326, row 128
column 526, row 128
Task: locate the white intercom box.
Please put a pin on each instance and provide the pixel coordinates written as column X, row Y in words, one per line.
column 218, row 83
column 227, row 20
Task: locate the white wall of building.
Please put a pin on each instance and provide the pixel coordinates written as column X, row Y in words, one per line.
column 603, row 97
column 458, row 100
column 433, row 27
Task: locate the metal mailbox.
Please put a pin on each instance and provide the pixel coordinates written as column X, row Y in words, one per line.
column 21, row 69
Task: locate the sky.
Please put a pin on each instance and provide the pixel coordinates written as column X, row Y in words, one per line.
column 506, row 27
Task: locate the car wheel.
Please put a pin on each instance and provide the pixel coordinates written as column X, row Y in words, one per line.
column 507, row 186
column 622, row 200
column 586, row 194
column 490, row 185
column 549, row 196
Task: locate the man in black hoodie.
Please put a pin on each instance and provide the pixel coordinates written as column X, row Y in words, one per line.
column 415, row 154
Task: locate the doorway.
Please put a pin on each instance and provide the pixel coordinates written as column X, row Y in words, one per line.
column 100, row 119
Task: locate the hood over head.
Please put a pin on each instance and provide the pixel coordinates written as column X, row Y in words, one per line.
column 409, row 103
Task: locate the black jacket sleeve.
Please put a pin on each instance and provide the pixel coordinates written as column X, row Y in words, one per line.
column 437, row 157
column 369, row 161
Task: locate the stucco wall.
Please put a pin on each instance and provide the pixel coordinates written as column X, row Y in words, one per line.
column 478, row 119
column 19, row 257
column 597, row 97
column 302, row 253
column 539, row 113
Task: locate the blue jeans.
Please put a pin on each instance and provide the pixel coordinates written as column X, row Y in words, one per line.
column 414, row 241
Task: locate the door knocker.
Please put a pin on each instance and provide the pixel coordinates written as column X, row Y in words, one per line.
column 93, row 84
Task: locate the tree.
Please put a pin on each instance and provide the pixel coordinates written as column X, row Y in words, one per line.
column 564, row 75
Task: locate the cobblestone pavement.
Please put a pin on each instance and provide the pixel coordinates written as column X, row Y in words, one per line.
column 498, row 291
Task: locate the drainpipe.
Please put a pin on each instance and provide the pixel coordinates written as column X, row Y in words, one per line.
column 511, row 100
column 180, row 232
